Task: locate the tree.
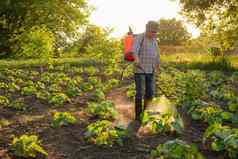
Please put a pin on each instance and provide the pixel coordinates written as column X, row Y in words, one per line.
column 95, row 42
column 172, row 32
column 89, row 36
column 36, row 42
column 198, row 45
column 57, row 15
column 218, row 19
column 92, row 35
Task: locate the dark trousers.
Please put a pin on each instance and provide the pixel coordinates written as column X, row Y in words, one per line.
column 149, row 85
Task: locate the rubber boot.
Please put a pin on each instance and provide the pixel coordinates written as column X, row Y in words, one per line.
column 138, row 109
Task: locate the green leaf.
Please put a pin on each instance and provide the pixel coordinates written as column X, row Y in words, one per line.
column 226, row 115
column 232, row 106
column 218, row 145
column 196, row 116
column 27, row 146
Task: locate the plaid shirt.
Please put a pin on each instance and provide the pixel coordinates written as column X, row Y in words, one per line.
column 148, row 54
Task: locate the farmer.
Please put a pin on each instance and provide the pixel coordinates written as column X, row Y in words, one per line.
column 147, row 62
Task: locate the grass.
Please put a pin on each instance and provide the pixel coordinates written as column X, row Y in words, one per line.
column 182, row 57
column 189, row 61
column 204, row 58
column 39, row 62
column 201, row 61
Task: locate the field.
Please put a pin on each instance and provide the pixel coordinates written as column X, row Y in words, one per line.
column 67, row 109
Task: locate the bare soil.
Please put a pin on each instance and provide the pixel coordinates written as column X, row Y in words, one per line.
column 69, row 142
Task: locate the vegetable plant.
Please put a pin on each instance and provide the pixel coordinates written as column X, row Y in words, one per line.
column 162, row 122
column 211, row 114
column 63, row 119
column 223, row 93
column 17, row 104
column 28, row 90
column 58, row 98
column 222, row 138
column 103, row 110
column 176, row 149
column 27, row 146
column 103, row 132
column 98, row 95
column 4, row 101
column 71, row 88
column 86, row 86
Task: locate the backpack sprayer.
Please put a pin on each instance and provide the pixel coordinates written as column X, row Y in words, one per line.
column 128, row 48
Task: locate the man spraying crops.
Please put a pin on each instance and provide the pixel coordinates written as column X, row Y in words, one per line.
column 147, row 61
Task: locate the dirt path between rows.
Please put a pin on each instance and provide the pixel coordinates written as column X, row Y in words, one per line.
column 124, row 106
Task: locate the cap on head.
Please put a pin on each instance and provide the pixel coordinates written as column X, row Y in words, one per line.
column 152, row 26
